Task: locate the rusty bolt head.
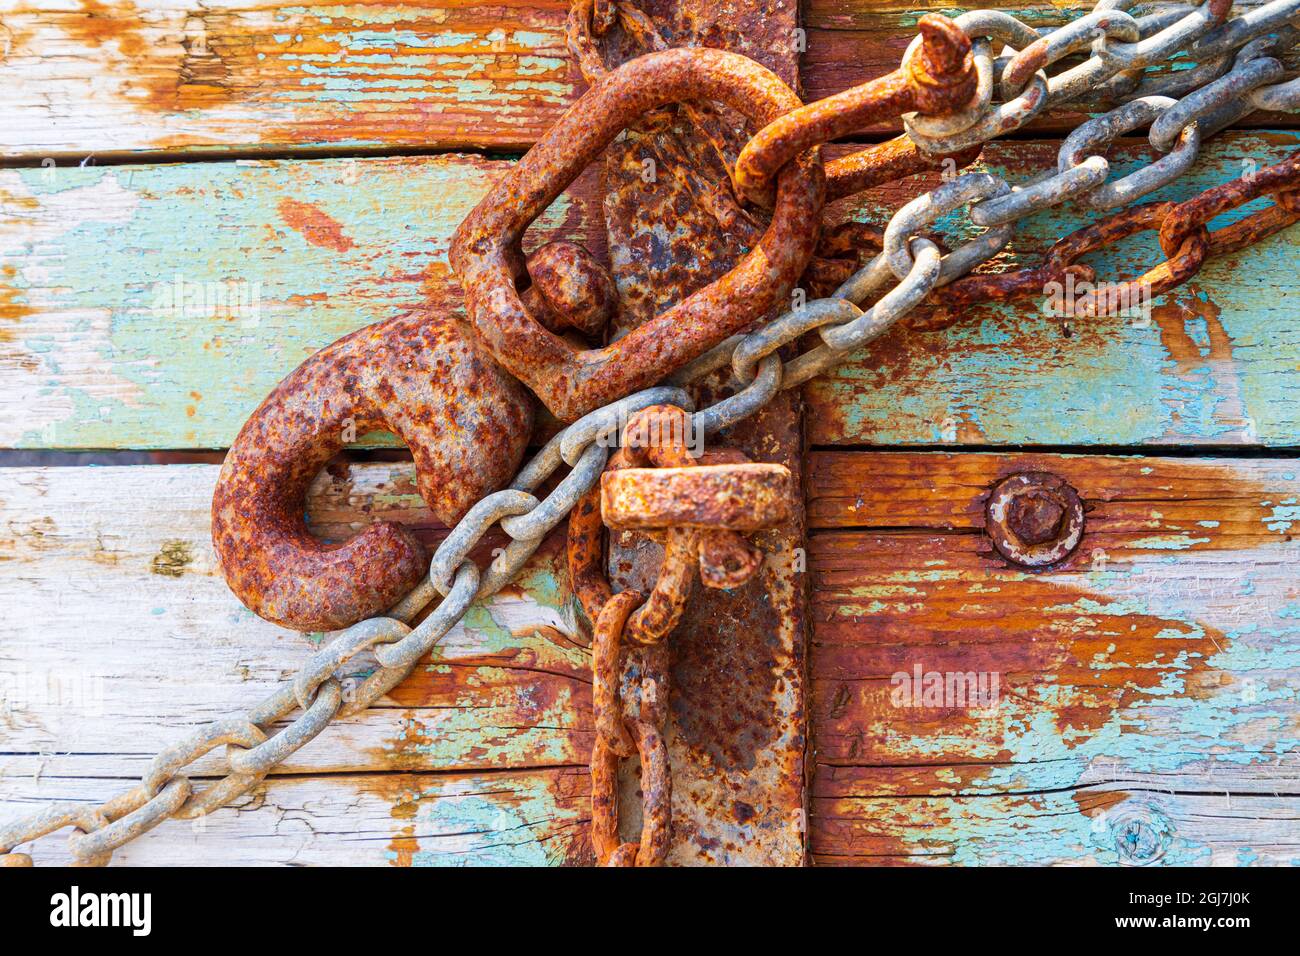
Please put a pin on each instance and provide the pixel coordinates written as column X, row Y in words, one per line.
column 1035, row 519
column 571, row 289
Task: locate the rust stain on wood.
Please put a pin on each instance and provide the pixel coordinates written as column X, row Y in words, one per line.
column 315, row 225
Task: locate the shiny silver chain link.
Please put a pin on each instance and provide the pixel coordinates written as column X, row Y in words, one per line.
column 1234, row 58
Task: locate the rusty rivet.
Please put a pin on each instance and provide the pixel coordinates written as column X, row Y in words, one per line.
column 1034, row 519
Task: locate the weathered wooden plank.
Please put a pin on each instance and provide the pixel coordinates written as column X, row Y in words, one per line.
column 526, row 818
column 155, row 306
column 122, row 635
column 116, row 76
column 1207, row 364
column 96, row 353
column 1162, row 655
column 1083, row 828
column 233, row 75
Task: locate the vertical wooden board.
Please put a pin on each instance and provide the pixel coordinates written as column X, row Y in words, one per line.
column 155, row 306
column 1163, row 655
column 1207, row 364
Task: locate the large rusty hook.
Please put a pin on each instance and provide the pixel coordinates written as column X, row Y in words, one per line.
column 426, row 380
column 486, row 248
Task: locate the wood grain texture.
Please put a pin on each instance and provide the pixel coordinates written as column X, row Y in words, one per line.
column 122, row 76
column 1145, row 703
column 274, row 259
column 525, row 818
column 155, row 306
column 122, row 637
column 1209, row 363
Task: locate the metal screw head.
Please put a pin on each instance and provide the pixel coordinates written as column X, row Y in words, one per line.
column 1034, row 519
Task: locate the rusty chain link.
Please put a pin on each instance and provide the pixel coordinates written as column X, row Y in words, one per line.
column 957, row 94
column 700, row 510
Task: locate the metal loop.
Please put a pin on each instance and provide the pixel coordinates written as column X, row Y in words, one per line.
column 471, row 529
column 1281, row 97
column 96, row 847
column 342, row 648
column 44, row 822
column 434, row 627
column 949, row 124
column 260, row 759
column 169, row 761
column 1044, row 191
column 1242, row 29
column 745, row 402
column 605, row 424
column 1005, row 118
column 1097, row 134
column 923, row 211
column 1060, row 43
column 789, row 328
column 1126, row 56
column 1229, row 89
column 894, row 304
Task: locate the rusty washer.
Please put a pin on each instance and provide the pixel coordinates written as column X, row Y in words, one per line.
column 1035, row 519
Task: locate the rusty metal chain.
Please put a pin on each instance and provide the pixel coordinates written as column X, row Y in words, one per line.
column 947, row 82
column 700, row 510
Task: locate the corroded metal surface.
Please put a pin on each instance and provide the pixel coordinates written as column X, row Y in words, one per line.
column 738, row 757
column 937, row 75
column 485, row 249
column 736, row 497
column 1035, row 520
column 465, row 421
column 631, row 655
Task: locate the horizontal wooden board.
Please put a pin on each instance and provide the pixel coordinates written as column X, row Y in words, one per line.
column 1161, row 657
column 513, row 818
column 122, row 637
column 155, row 306
column 122, row 76
column 98, row 349
column 1092, row 827
column 1209, row 363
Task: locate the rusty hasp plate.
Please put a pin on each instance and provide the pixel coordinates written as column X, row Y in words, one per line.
column 631, row 678
column 739, row 497
column 737, row 758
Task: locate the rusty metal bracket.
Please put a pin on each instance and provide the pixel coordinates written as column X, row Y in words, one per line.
column 486, row 249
